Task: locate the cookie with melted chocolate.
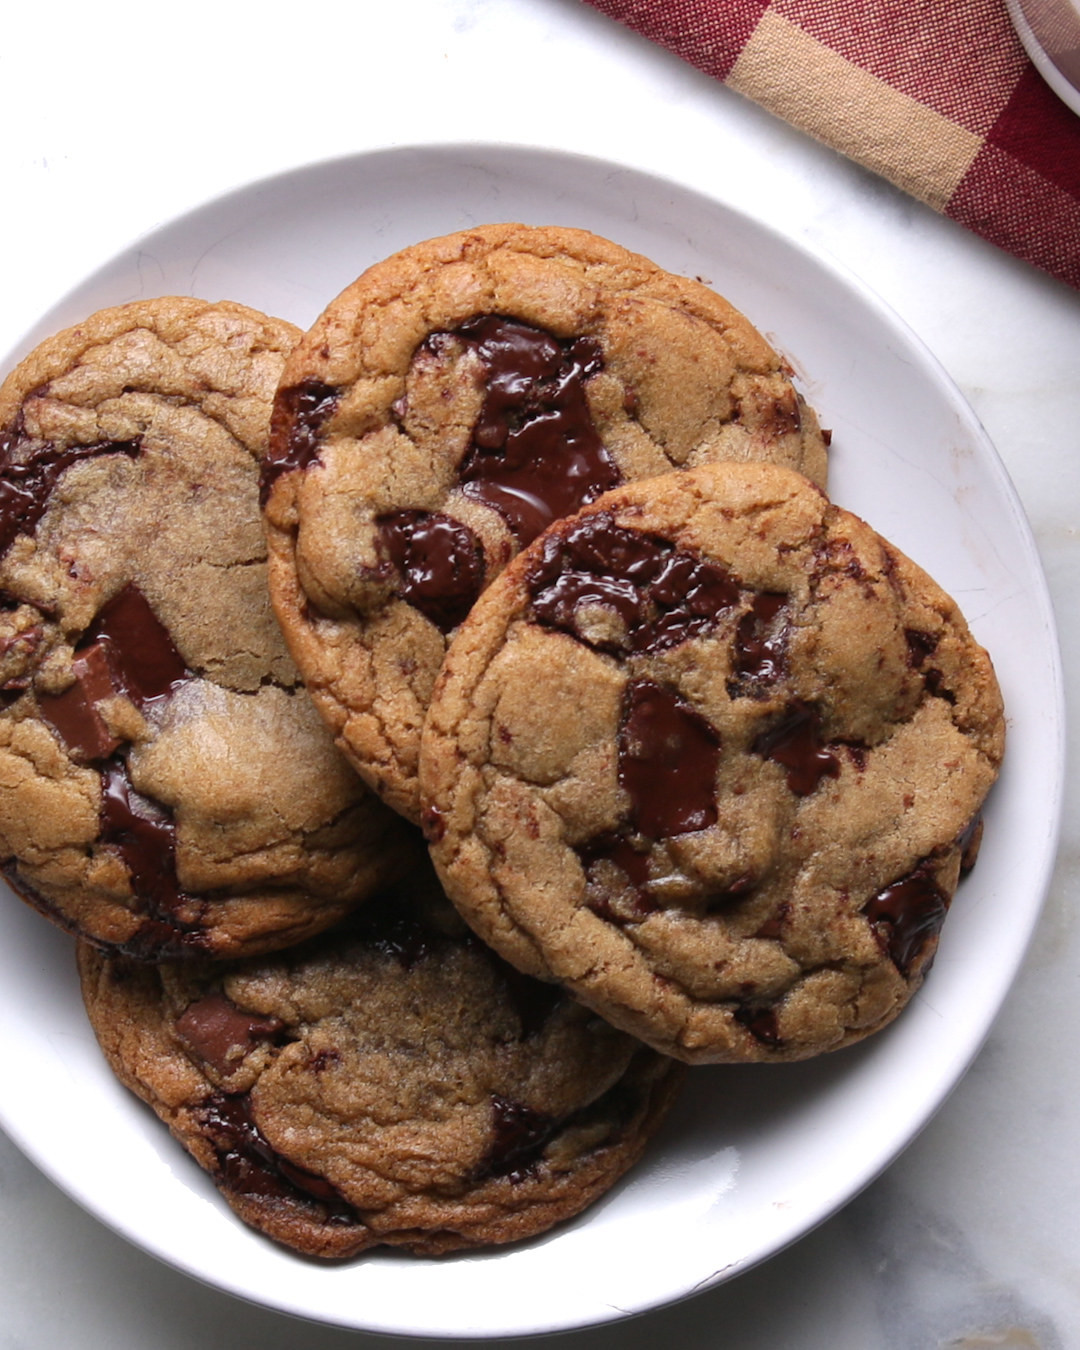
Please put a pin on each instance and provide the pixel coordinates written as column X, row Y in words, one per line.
column 390, row 1082
column 166, row 785
column 713, row 754
column 452, row 403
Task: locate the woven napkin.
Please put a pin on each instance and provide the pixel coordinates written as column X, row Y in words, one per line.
column 938, row 96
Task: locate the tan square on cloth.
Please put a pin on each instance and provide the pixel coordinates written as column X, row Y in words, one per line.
column 937, row 96
column 815, row 89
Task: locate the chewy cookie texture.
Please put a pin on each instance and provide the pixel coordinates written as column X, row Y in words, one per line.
column 732, row 811
column 452, row 403
column 390, row 1082
column 165, row 783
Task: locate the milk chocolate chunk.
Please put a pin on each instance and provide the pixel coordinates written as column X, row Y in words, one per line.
column 220, row 1033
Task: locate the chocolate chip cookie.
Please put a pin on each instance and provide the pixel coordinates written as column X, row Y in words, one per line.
column 713, row 753
column 165, row 782
column 389, row 1082
column 448, row 406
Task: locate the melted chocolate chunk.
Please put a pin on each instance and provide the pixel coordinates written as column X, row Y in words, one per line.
column 760, row 1022
column 907, row 916
column 248, row 1165
column 689, row 595
column 166, row 939
column 299, row 415
column 618, row 850
column 433, row 824
column 519, row 1137
column 760, row 644
column 141, row 652
column 668, row 758
column 439, row 560
column 570, row 595
column 74, row 715
column 661, row 595
column 30, row 470
column 126, row 651
column 220, row 1033
column 144, row 834
column 535, row 454
column 921, row 646
column 969, row 841
column 795, row 743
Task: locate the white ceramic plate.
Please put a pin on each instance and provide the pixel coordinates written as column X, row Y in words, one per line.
column 753, row 1157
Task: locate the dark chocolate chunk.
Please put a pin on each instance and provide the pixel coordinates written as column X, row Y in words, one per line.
column 619, row 850
column 668, row 759
column 969, row 842
column 126, row 651
column 248, row 1165
column 795, row 743
column 760, row 1022
column 907, row 916
column 215, row 1030
column 141, row 652
column 689, row 595
column 439, row 560
column 299, row 415
column 594, row 563
column 144, row 834
column 559, row 605
column 662, row 595
column 30, row 470
column 535, row 454
column 519, row 1137
column 921, row 646
column 74, row 715
column 760, row 643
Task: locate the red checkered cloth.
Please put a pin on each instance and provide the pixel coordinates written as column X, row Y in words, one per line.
column 938, row 96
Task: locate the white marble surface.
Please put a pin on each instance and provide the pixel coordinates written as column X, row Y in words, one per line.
column 118, row 116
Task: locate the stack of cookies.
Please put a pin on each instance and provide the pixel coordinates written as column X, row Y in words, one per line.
column 440, row 727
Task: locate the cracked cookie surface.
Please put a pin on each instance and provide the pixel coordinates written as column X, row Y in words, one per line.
column 451, row 403
column 165, row 782
column 390, row 1082
column 713, row 754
